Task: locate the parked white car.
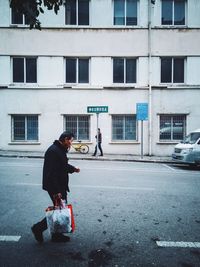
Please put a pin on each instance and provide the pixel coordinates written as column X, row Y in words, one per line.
column 188, row 150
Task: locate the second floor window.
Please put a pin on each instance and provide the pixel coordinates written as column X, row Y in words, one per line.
column 173, row 12
column 77, row 70
column 18, row 18
column 77, row 12
column 124, row 70
column 125, row 12
column 172, row 70
column 24, row 70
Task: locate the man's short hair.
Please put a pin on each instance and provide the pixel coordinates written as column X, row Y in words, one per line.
column 66, row 135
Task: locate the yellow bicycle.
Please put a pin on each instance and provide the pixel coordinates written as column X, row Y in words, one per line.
column 81, row 148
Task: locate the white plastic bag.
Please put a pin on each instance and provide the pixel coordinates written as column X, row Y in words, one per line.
column 59, row 220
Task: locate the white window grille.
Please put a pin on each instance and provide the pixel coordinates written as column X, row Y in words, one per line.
column 24, row 128
column 79, row 125
column 123, row 127
column 172, row 127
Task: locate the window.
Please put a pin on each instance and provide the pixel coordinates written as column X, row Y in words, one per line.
column 124, row 70
column 78, row 125
column 125, row 12
column 77, row 12
column 172, row 127
column 173, row 12
column 24, row 127
column 172, row 70
column 24, row 70
column 123, row 127
column 18, row 18
column 77, row 70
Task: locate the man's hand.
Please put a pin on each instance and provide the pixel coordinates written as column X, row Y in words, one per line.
column 57, row 199
column 77, row 170
column 57, row 196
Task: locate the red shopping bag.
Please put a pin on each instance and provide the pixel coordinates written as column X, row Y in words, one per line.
column 72, row 217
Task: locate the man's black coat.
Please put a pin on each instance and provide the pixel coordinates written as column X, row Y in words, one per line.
column 56, row 169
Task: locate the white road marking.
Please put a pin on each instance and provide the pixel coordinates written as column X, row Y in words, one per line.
column 99, row 186
column 114, row 187
column 10, row 238
column 167, row 166
column 180, row 244
column 31, row 184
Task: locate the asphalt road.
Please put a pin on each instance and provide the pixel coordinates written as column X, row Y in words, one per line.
column 122, row 210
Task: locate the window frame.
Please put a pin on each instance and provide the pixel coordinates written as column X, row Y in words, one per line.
column 172, row 70
column 125, row 70
column 173, row 15
column 172, row 118
column 19, row 24
column 26, row 139
column 124, row 140
column 77, row 71
column 77, row 16
column 77, row 117
column 24, row 69
column 125, row 15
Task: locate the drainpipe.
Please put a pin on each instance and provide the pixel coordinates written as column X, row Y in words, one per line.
column 150, row 3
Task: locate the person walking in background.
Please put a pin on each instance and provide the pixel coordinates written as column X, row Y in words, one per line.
column 55, row 181
column 99, row 143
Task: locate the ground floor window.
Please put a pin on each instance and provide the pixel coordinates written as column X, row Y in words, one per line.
column 172, row 127
column 79, row 125
column 24, row 127
column 123, row 127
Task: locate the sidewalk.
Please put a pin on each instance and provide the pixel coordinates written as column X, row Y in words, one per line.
column 78, row 156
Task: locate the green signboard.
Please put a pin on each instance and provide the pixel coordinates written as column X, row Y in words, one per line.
column 97, row 109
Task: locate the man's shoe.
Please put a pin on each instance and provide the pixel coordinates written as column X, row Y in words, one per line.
column 93, row 155
column 60, row 238
column 37, row 234
column 101, row 155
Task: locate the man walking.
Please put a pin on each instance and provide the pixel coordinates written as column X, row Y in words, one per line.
column 99, row 143
column 55, row 180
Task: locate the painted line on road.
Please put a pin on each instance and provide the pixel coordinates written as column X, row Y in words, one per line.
column 114, row 187
column 31, row 184
column 167, row 166
column 10, row 238
column 99, row 186
column 180, row 244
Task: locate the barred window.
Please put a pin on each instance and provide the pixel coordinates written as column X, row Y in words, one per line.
column 78, row 125
column 172, row 127
column 123, row 127
column 24, row 127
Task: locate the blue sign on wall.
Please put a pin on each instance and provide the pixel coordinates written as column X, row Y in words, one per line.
column 142, row 111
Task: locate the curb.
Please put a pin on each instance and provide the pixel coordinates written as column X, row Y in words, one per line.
column 71, row 157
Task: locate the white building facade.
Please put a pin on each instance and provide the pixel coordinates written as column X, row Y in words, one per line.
column 114, row 53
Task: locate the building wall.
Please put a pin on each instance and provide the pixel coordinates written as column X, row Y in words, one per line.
column 52, row 98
